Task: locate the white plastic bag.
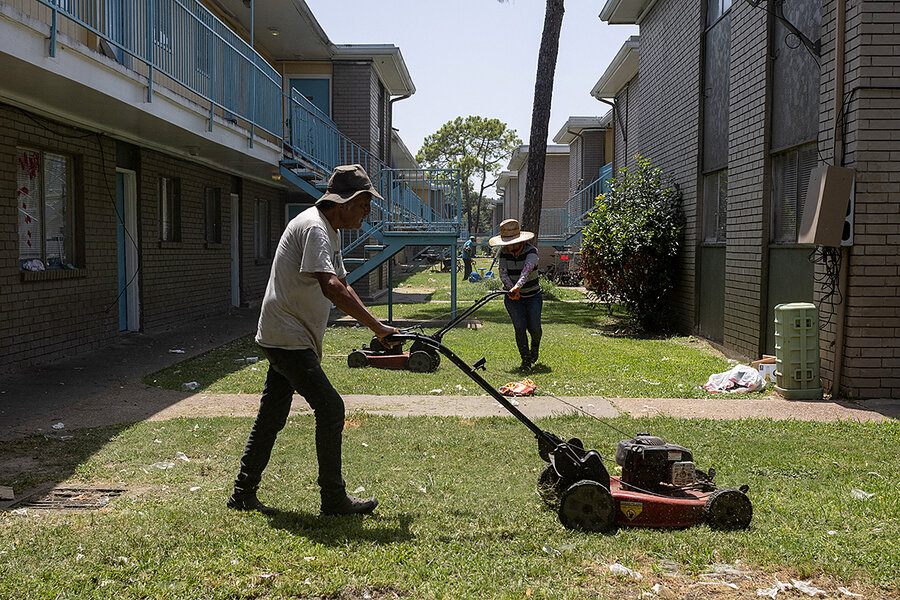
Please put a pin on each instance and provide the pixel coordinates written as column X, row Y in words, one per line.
column 741, row 378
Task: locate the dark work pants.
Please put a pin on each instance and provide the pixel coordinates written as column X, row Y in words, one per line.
column 467, row 262
column 298, row 370
column 525, row 314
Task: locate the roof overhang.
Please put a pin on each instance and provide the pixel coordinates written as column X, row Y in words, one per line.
column 520, row 155
column 620, row 71
column 625, row 12
column 505, row 178
column 575, row 125
column 388, row 63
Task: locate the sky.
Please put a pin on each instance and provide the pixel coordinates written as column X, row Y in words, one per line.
column 479, row 57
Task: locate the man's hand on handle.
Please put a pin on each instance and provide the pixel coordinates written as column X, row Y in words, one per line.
column 382, row 331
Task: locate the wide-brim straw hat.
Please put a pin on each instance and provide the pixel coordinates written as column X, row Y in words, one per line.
column 510, row 234
column 346, row 183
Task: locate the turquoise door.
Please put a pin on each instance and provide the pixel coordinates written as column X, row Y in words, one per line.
column 317, row 90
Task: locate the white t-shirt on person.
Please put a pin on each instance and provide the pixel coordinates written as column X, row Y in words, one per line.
column 294, row 311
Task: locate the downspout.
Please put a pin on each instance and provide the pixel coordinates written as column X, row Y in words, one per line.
column 391, row 104
column 843, row 277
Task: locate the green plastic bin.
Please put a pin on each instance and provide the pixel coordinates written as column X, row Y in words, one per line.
column 797, row 351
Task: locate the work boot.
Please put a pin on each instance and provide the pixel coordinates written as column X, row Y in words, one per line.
column 247, row 500
column 348, row 505
column 535, row 349
column 525, row 366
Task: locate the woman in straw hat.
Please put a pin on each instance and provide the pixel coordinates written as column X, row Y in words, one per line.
column 519, row 274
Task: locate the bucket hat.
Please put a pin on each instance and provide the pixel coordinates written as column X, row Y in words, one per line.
column 346, row 183
column 510, row 234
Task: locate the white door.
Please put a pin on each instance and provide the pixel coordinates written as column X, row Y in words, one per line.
column 235, row 250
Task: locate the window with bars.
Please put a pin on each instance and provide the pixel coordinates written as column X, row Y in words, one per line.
column 261, row 228
column 715, row 206
column 46, row 223
column 790, row 179
column 169, row 194
column 213, row 216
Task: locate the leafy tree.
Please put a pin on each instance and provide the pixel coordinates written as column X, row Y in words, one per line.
column 478, row 147
column 630, row 245
column 540, row 116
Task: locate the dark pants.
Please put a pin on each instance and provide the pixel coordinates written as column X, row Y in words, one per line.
column 468, row 267
column 525, row 314
column 298, row 370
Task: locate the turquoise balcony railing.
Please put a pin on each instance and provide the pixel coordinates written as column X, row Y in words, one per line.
column 184, row 41
column 561, row 224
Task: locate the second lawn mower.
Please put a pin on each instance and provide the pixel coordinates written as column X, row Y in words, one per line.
column 421, row 358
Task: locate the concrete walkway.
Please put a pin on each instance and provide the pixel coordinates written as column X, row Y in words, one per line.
column 104, row 388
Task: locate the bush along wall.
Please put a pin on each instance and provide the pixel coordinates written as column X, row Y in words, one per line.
column 631, row 242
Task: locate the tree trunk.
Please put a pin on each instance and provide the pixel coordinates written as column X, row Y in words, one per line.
column 540, row 116
column 468, row 205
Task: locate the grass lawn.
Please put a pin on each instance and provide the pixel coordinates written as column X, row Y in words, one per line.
column 459, row 517
column 583, row 352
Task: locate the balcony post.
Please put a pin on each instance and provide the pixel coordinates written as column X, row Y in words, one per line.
column 55, row 10
column 150, row 50
column 212, row 79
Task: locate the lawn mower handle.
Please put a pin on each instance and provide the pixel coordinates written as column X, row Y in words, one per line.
column 546, row 440
column 437, row 335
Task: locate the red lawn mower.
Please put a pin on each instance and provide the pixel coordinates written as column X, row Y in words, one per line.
column 660, row 485
column 421, row 358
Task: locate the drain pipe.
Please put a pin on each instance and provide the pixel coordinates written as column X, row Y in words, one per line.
column 843, row 277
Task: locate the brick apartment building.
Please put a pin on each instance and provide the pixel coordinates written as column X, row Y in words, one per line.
column 142, row 158
column 739, row 103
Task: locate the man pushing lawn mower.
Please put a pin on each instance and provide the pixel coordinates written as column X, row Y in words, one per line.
column 307, row 276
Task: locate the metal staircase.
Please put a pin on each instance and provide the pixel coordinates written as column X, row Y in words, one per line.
column 562, row 227
column 420, row 207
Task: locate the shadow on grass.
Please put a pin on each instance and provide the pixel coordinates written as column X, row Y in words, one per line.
column 337, row 530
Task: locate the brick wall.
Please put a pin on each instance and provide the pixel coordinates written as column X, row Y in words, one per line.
column 747, row 234
column 625, row 142
column 255, row 272
column 669, row 105
column 46, row 319
column 871, row 357
column 594, row 155
column 576, row 165
column 56, row 314
column 353, row 101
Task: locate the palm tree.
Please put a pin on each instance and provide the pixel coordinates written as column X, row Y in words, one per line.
column 540, row 115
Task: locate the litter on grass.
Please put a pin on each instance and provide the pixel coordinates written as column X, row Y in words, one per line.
column 623, row 571
column 59, row 425
column 860, row 495
column 741, row 378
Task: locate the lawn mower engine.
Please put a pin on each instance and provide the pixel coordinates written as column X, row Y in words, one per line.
column 651, row 464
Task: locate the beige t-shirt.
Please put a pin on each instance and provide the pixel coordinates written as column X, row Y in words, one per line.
column 294, row 311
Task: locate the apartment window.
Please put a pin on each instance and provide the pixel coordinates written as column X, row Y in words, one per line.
column 169, row 195
column 715, row 9
column 46, row 214
column 261, row 228
column 715, row 206
column 790, row 175
column 213, row 216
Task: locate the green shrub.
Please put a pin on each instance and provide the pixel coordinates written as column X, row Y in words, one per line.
column 631, row 242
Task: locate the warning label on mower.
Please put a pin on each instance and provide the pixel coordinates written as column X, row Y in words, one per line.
column 631, row 509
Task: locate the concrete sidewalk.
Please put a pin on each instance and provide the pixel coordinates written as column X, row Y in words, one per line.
column 105, row 388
